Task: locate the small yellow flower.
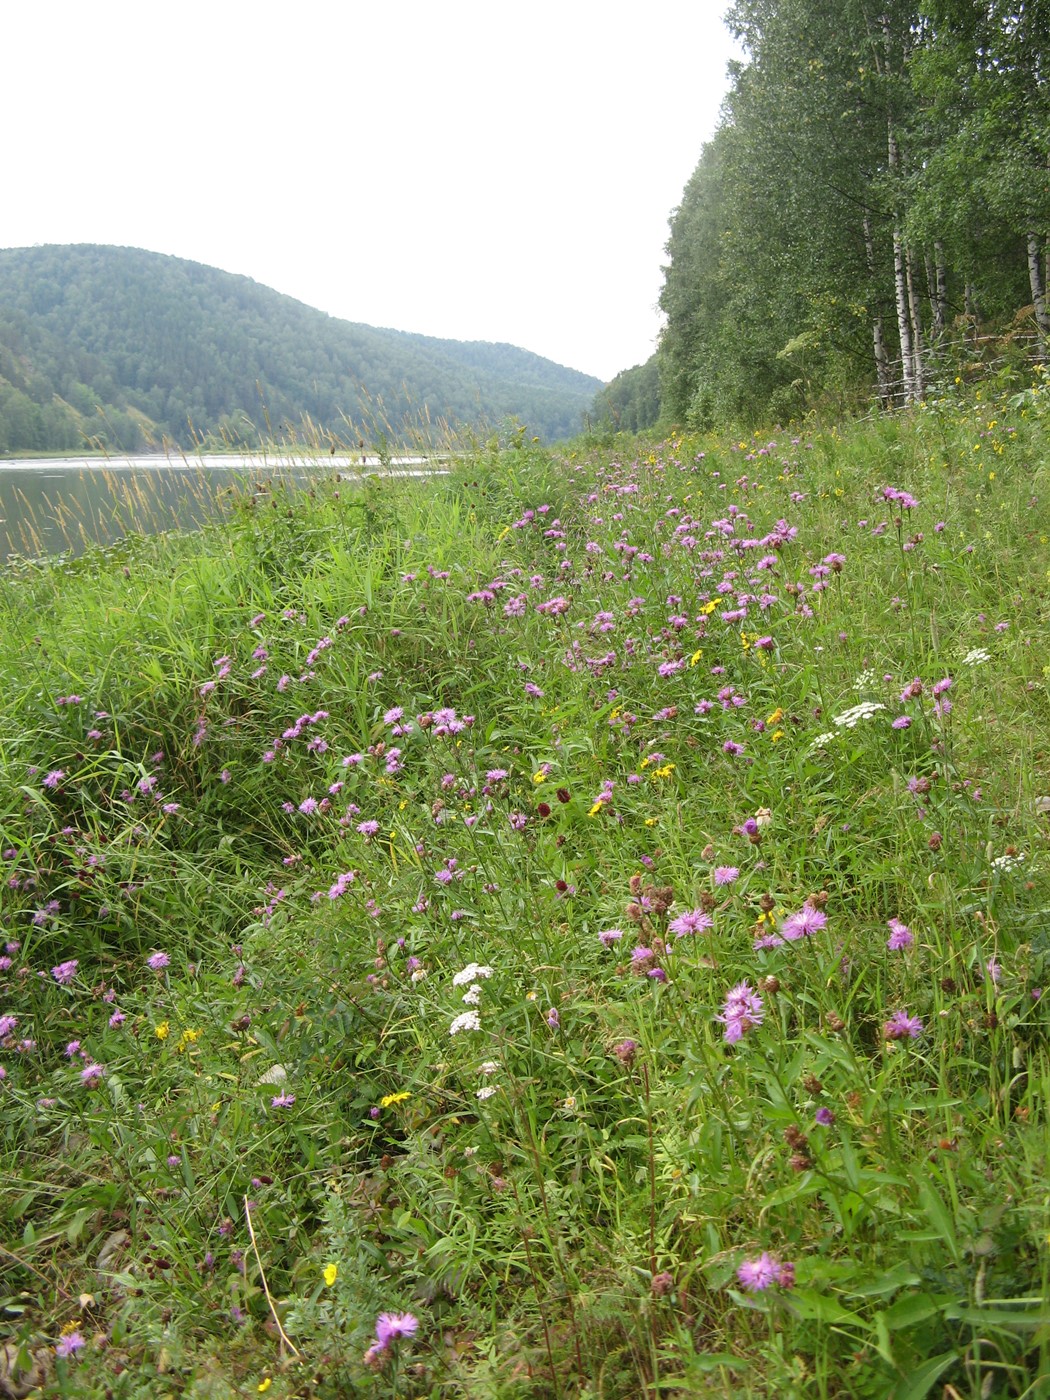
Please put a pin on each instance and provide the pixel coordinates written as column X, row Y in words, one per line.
column 595, row 810
column 776, row 736
column 664, row 772
column 709, row 608
column 539, row 777
column 776, row 716
column 651, row 821
column 696, row 656
column 331, row 1273
column 388, row 1099
column 264, row 1386
column 186, row 1038
column 163, row 1030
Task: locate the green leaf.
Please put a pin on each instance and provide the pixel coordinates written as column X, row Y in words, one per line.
column 917, row 1307
column 939, row 1217
column 901, row 1276
column 806, row 1302
column 918, row 1384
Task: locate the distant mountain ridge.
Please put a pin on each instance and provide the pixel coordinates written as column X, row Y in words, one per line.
column 137, row 348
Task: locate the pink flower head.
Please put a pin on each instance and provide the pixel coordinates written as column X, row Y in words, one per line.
column 157, row 962
column 900, row 935
column 803, row 924
column 69, row 1345
column 756, row 1275
column 65, row 972
column 695, row 921
column 742, row 1010
column 901, row 1026
column 390, row 1327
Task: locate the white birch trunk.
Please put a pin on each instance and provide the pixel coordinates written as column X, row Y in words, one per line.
column 882, row 359
column 1035, row 278
column 900, row 282
column 915, row 319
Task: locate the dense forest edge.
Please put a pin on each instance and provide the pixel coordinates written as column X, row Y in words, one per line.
column 868, row 223
column 129, row 351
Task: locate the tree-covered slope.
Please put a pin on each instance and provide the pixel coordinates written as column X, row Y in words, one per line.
column 135, row 346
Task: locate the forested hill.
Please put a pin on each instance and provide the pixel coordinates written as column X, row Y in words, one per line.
column 133, row 347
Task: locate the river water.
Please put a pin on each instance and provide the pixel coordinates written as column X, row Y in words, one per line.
column 53, row 504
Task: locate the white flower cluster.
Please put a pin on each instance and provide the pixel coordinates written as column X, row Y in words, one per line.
column 822, row 741
column 466, row 1021
column 865, row 680
column 471, row 973
column 848, row 718
column 976, row 657
column 1008, row 862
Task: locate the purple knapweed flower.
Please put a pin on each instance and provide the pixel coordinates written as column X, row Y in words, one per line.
column 391, row 1327
column 803, row 924
column 694, row 921
column 725, row 874
column 901, row 1026
column 742, row 1011
column 900, row 935
column 157, row 962
column 65, row 972
column 756, row 1275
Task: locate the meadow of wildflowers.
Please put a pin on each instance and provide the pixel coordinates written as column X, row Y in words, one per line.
column 573, row 927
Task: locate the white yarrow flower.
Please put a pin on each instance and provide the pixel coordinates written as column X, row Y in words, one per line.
column 848, row 718
column 1007, row 862
column 486, row 1092
column 466, row 1021
column 472, row 995
column 976, row 657
column 471, row 973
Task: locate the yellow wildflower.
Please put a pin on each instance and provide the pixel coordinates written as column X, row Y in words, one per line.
column 776, row 716
column 595, row 810
column 708, row 608
column 331, row 1273
column 776, row 736
column 187, row 1038
column 664, row 772
column 163, row 1030
column 388, row 1099
column 696, row 656
column 263, row 1386
column 539, row 777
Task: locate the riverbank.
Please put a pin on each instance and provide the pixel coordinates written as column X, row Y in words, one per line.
column 571, row 924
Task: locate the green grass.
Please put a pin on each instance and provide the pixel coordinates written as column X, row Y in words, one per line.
column 290, row 1073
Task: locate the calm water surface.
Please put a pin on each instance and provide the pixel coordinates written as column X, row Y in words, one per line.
column 48, row 505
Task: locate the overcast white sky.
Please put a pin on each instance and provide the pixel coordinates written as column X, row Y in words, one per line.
column 479, row 171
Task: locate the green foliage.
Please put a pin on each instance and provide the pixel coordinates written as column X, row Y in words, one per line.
column 631, row 402
column 851, row 130
column 127, row 348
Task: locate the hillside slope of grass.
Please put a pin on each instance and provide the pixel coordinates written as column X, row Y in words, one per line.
column 576, row 927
